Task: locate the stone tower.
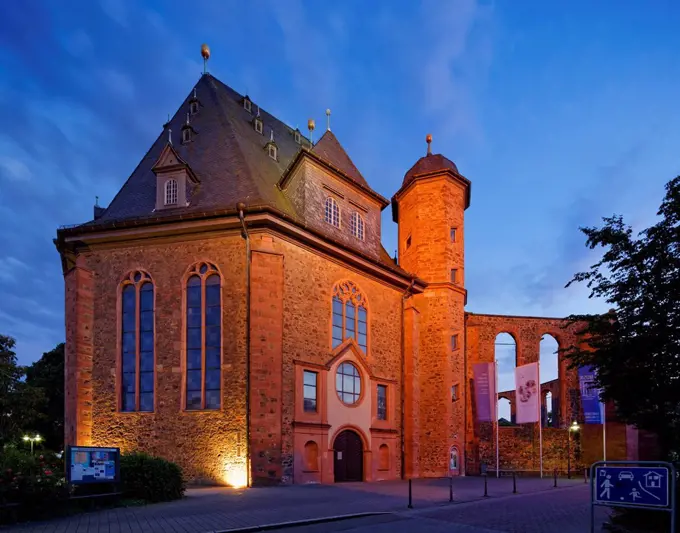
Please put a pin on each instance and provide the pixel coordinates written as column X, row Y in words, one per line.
column 429, row 208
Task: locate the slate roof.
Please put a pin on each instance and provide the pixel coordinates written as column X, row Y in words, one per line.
column 229, row 159
column 426, row 164
column 330, row 149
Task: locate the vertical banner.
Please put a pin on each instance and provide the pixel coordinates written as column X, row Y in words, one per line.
column 527, row 394
column 484, row 375
column 590, row 395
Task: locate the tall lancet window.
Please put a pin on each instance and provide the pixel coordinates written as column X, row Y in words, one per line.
column 349, row 315
column 203, row 337
column 137, row 343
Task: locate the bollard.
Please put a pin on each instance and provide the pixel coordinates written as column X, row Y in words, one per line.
column 585, row 475
column 486, row 493
column 450, row 488
column 555, row 477
column 410, row 501
column 514, row 484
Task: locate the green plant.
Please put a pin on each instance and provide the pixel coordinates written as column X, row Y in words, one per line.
column 149, row 478
column 35, row 483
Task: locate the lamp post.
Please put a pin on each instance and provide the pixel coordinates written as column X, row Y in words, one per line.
column 30, row 439
column 574, row 427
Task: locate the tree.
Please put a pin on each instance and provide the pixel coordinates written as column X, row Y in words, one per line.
column 20, row 404
column 47, row 374
column 635, row 348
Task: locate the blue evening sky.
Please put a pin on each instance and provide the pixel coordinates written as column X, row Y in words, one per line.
column 559, row 112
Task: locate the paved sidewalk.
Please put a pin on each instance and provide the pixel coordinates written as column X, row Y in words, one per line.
column 219, row 509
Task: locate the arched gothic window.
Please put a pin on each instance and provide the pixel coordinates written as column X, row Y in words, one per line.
column 171, row 192
column 137, row 331
column 203, row 337
column 350, row 315
column 356, row 225
column 332, row 211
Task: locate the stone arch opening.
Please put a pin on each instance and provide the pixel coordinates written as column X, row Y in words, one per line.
column 505, row 355
column 549, row 374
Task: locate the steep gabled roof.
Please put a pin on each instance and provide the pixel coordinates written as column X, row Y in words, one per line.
column 330, row 149
column 226, row 153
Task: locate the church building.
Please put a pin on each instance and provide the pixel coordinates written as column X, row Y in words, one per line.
column 233, row 310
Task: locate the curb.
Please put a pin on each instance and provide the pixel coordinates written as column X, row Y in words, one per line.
column 297, row 523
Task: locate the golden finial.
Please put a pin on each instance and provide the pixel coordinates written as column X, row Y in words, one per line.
column 205, row 53
column 310, row 126
column 428, row 140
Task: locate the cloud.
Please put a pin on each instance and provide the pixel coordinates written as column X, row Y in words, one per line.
column 116, row 10
column 10, row 267
column 118, row 83
column 13, row 169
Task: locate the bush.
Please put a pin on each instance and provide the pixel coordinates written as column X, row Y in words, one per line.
column 149, row 478
column 35, row 482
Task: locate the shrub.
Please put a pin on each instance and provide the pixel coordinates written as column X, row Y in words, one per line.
column 149, row 478
column 35, row 482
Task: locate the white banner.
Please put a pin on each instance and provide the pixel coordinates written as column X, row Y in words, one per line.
column 527, row 394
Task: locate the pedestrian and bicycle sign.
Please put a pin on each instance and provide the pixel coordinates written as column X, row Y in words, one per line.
column 643, row 484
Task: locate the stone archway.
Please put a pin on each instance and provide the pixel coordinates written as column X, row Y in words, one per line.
column 348, row 463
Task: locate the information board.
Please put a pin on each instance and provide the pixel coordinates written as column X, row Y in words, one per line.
column 89, row 464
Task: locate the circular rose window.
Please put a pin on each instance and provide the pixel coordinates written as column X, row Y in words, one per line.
column 348, row 383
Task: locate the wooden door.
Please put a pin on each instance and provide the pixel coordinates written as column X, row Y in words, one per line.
column 349, row 457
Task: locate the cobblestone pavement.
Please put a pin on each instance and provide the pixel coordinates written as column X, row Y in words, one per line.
column 222, row 509
column 563, row 511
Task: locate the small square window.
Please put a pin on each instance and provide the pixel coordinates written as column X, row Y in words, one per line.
column 454, row 275
column 453, row 234
column 258, row 126
column 454, row 393
column 194, row 108
column 454, row 342
column 247, row 105
column 297, row 137
column 273, row 151
column 186, row 135
column 408, row 242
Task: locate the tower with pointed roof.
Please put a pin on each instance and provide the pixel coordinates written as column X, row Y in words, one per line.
column 429, row 209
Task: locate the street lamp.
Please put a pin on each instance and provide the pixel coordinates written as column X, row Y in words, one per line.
column 574, row 427
column 37, row 438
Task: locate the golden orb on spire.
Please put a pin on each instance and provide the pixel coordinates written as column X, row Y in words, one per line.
column 205, row 51
column 311, row 124
column 428, row 138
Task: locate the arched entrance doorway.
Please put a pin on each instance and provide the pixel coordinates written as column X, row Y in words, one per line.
column 348, row 464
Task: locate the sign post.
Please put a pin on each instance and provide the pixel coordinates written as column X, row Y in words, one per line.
column 632, row 484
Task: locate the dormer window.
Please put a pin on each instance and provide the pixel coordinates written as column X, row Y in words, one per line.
column 186, row 135
column 247, row 105
column 297, row 137
column 273, row 152
column 171, row 192
column 193, row 108
column 258, row 125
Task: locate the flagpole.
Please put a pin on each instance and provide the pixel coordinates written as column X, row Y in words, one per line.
column 495, row 387
column 540, row 417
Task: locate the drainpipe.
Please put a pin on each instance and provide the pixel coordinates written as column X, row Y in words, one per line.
column 241, row 206
column 403, row 356
column 465, row 395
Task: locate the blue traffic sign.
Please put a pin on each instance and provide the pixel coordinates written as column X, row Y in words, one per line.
column 632, row 485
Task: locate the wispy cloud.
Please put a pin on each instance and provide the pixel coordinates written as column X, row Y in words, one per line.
column 14, row 169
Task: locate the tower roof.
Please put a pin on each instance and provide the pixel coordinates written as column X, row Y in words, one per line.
column 427, row 164
column 330, row 149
